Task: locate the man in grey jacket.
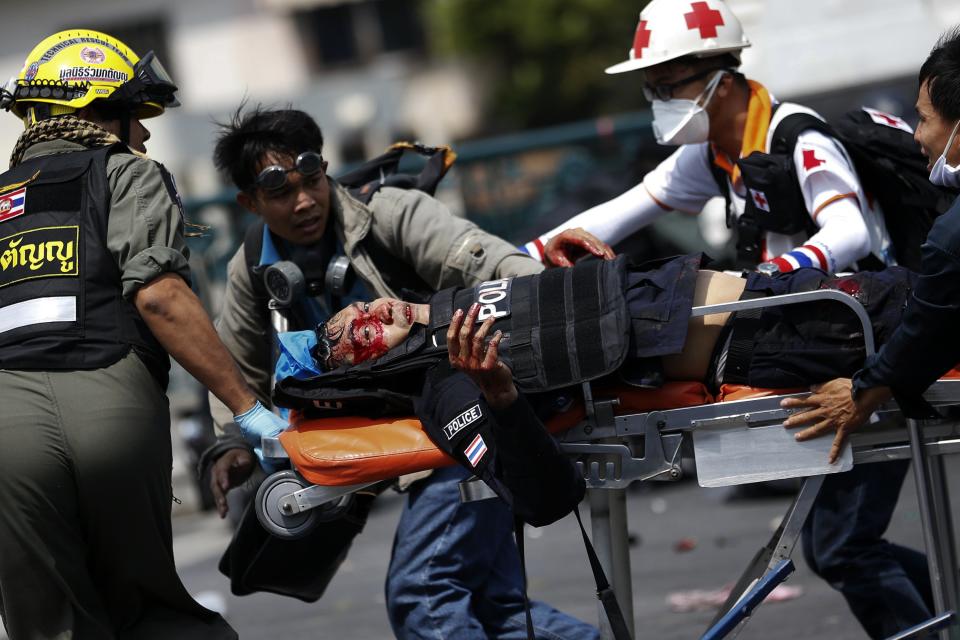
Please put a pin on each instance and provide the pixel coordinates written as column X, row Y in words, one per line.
column 455, row 570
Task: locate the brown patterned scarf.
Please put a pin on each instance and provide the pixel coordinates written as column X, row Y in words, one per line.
column 68, row 127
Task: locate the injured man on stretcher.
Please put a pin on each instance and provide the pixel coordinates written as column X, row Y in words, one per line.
column 480, row 367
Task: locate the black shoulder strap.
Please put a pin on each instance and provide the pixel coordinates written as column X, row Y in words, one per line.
column 788, row 130
column 518, row 536
column 253, row 244
column 720, row 177
column 618, row 625
column 110, row 149
column 171, row 185
column 252, row 248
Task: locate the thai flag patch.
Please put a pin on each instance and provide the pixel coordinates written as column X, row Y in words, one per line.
column 13, row 204
column 475, row 450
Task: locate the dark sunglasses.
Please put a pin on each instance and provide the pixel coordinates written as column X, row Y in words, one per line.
column 665, row 91
column 274, row 177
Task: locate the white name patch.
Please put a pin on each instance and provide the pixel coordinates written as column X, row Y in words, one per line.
column 465, row 419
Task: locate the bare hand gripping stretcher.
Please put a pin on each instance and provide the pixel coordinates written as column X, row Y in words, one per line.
column 622, row 435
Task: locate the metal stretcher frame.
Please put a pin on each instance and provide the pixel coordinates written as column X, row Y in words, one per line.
column 604, row 445
column 604, row 442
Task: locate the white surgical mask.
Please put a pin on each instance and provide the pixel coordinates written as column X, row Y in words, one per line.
column 681, row 121
column 942, row 173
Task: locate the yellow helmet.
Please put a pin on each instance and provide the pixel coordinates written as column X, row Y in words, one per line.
column 70, row 69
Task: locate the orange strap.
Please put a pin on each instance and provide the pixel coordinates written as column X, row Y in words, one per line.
column 663, row 206
column 831, row 200
column 759, row 111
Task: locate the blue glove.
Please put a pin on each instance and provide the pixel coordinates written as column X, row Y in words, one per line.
column 257, row 423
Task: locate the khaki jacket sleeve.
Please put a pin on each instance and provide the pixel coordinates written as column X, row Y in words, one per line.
column 145, row 228
column 244, row 327
column 445, row 250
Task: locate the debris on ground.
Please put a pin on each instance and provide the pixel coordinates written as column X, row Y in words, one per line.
column 707, row 599
column 684, row 544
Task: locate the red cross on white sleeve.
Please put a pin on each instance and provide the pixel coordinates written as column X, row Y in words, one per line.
column 810, row 159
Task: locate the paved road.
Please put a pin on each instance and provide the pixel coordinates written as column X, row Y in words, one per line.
column 725, row 535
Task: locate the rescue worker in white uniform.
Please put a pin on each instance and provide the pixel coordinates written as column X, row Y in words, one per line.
column 689, row 52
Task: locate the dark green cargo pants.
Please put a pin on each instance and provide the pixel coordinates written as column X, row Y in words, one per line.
column 86, row 549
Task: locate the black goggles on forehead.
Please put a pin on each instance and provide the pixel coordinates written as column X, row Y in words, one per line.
column 150, row 83
column 274, row 177
column 665, row 90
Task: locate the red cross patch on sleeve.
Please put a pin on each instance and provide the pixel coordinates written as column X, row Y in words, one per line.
column 810, row 159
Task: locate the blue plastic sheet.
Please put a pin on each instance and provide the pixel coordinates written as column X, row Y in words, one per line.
column 295, row 360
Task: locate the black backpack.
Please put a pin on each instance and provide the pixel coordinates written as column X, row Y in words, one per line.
column 384, row 171
column 891, row 168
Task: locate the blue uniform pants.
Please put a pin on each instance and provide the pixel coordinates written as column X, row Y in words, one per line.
column 887, row 586
column 455, row 571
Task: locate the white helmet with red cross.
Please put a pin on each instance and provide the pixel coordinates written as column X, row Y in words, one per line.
column 671, row 29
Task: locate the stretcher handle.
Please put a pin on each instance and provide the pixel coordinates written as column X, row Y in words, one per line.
column 796, row 298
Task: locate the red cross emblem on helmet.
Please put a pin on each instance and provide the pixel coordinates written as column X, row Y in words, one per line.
column 641, row 39
column 671, row 29
column 704, row 18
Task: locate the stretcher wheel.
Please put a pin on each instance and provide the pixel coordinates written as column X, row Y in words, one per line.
column 333, row 509
column 269, row 510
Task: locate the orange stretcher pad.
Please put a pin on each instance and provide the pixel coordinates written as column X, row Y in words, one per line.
column 344, row 451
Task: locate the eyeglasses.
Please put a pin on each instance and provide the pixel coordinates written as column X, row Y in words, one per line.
column 665, row 91
column 274, row 177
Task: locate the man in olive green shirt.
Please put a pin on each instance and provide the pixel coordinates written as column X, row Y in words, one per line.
column 94, row 294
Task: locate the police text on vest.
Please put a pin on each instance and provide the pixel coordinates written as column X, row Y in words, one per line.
column 492, row 298
column 466, row 418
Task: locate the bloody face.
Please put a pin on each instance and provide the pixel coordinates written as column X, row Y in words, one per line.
column 364, row 331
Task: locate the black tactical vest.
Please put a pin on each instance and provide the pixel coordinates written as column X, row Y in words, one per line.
column 773, row 200
column 61, row 306
column 560, row 327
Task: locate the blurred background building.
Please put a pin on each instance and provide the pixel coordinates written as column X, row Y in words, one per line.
column 517, row 87
column 372, row 71
column 446, row 71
